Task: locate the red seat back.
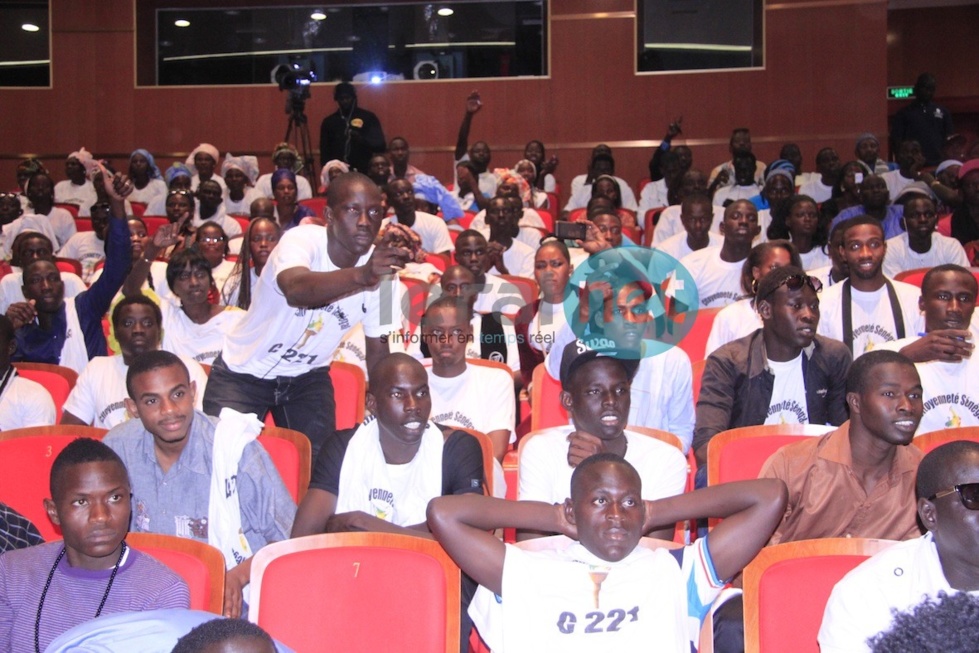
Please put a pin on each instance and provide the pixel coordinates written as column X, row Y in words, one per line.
column 366, row 597
column 546, row 409
column 56, row 385
column 695, row 342
column 153, row 223
column 200, row 565
column 25, row 471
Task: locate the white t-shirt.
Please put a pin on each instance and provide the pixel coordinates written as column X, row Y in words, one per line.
column 718, row 282
column 12, row 287
column 396, row 329
column 228, row 224
column 147, row 193
column 949, row 390
column 896, row 579
column 662, row 395
column 63, row 224
column 871, row 315
column 567, row 599
column 244, row 205
column 25, row 403
column 86, row 248
column 275, row 339
column 816, row 258
column 788, row 404
column 99, row 394
column 264, row 187
column 481, row 398
column 431, row 229
column 652, row 196
column 677, row 246
column 816, row 189
column 732, row 322
column 545, row 474
column 895, row 182
column 582, row 194
column 201, row 342
column 518, row 259
column 734, row 193
column 84, row 195
column 547, row 322
column 670, row 224
column 901, row 257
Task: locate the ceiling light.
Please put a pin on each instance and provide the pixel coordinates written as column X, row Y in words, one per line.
column 181, row 22
column 445, row 11
column 30, row 27
column 318, row 15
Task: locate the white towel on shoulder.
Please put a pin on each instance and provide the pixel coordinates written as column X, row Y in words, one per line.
column 366, row 486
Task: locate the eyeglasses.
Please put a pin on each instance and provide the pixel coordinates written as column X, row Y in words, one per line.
column 796, row 282
column 968, row 493
column 212, row 240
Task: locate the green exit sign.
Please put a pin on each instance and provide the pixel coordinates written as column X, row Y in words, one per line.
column 900, row 92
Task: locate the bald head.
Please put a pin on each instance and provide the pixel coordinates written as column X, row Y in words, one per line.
column 263, row 207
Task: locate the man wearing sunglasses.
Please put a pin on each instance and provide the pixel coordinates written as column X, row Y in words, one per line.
column 867, row 309
column 943, row 353
column 781, row 373
column 943, row 560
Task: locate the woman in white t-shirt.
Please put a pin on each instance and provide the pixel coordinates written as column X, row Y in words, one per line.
column 147, row 181
column 799, row 221
column 211, row 241
column 538, row 323
column 192, row 326
column 740, row 318
column 261, row 237
column 240, row 173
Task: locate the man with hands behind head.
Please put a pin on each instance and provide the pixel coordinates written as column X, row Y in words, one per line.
column 554, row 597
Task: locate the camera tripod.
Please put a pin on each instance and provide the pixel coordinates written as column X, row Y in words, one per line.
column 297, row 133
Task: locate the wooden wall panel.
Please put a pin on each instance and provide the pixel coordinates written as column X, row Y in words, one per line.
column 823, row 84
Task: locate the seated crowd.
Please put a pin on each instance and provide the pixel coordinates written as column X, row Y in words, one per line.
column 207, row 298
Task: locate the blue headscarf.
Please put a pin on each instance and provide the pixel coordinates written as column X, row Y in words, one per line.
column 433, row 191
column 154, row 171
column 282, row 173
column 176, row 170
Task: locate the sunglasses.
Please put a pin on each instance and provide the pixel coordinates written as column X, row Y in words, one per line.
column 796, row 282
column 968, row 493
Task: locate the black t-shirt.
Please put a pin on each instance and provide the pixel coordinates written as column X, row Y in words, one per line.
column 462, row 463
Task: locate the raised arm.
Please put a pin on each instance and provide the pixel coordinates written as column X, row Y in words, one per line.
column 655, row 172
column 473, row 105
column 305, row 288
column 463, row 525
column 750, row 511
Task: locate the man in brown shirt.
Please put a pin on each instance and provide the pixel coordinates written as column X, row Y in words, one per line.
column 857, row 481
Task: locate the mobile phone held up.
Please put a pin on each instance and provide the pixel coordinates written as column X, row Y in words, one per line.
column 566, row 230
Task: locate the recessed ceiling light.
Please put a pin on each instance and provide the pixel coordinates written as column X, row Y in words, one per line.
column 30, row 27
column 318, row 15
column 445, row 11
column 181, row 22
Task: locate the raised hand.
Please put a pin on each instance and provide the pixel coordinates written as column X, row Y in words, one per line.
column 473, row 103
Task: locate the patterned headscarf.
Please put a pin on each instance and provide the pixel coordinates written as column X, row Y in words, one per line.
column 507, row 176
column 154, row 171
column 246, row 163
column 286, row 147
